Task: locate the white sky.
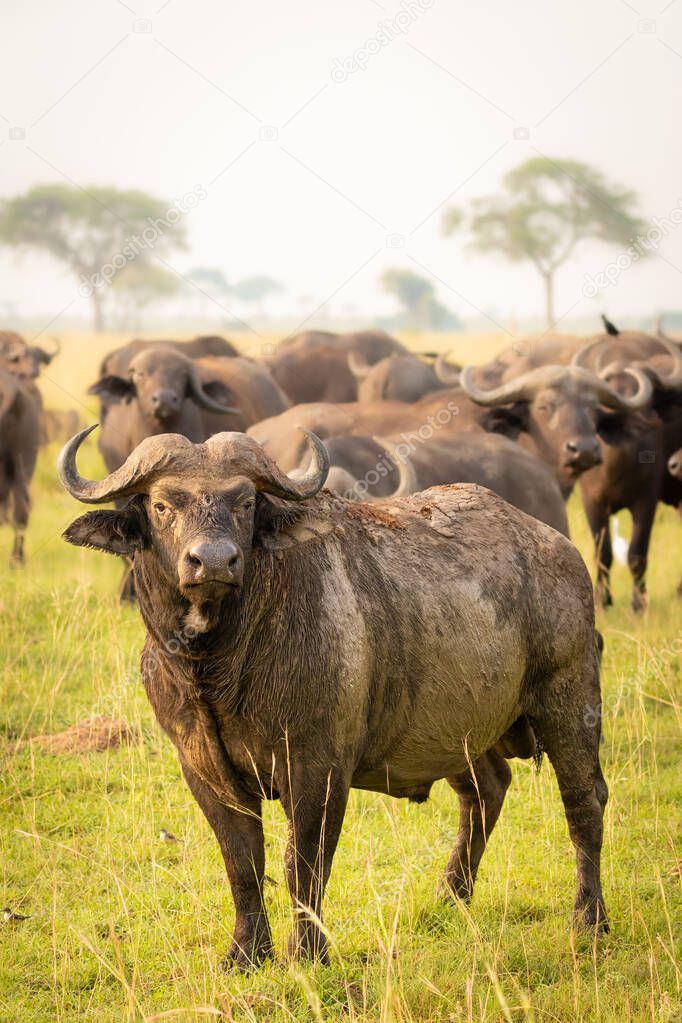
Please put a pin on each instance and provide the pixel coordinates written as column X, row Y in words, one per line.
column 356, row 162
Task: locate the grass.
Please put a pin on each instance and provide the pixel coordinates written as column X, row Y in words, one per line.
column 125, row 927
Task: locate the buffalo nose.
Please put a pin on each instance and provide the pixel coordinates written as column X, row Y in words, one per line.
column 582, row 452
column 675, row 464
column 212, row 561
column 164, row 402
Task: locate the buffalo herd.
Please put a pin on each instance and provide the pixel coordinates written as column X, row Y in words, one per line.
column 354, row 569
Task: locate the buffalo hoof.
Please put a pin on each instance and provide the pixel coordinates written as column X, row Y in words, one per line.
column 455, row 888
column 591, row 919
column 640, row 600
column 602, row 596
column 238, row 960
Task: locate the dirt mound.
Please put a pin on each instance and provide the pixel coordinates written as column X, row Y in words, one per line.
column 93, row 735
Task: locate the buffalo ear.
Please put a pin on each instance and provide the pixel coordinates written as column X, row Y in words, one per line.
column 508, row 421
column 113, row 387
column 116, row 532
column 271, row 516
column 619, row 427
column 219, row 391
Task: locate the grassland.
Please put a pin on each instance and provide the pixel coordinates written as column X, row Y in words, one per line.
column 125, row 927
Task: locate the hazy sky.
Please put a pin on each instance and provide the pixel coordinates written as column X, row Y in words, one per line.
column 320, row 174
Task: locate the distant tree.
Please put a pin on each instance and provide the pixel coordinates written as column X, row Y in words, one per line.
column 142, row 285
column 210, row 277
column 254, row 290
column 90, row 230
column 545, row 209
column 207, row 285
column 421, row 308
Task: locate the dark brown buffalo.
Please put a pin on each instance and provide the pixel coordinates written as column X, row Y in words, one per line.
column 367, row 467
column 562, row 413
column 300, row 644
column 395, row 378
column 634, row 471
column 23, row 360
column 19, row 441
column 313, row 366
column 117, row 362
column 245, row 384
column 634, row 450
column 675, row 464
column 559, row 413
column 162, row 392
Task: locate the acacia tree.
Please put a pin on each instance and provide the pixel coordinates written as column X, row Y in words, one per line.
column 89, row 230
column 140, row 286
column 545, row 209
column 416, row 294
column 255, row 290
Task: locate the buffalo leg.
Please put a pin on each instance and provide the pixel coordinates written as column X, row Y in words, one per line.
column 569, row 728
column 481, row 792
column 315, row 806
column 642, row 523
column 21, row 504
column 598, row 519
column 240, row 836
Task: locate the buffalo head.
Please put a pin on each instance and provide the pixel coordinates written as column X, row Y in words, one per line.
column 161, row 379
column 23, row 360
column 195, row 511
column 563, row 409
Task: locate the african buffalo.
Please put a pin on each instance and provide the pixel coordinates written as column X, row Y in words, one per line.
column 562, row 412
column 161, row 393
column 118, row 361
column 246, row 384
column 363, row 467
column 19, row 442
column 395, row 378
column 313, row 366
column 635, row 448
column 559, row 413
column 22, row 359
column 634, row 472
column 300, row 644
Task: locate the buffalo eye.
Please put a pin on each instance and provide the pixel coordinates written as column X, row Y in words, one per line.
column 161, row 509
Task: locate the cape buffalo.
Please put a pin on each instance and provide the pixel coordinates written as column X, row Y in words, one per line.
column 19, row 441
column 369, row 467
column 24, row 360
column 161, row 393
column 246, row 384
column 313, row 366
column 395, row 378
column 118, row 361
column 299, row 644
column 561, row 412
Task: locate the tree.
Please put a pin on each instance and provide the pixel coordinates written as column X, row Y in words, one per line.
column 210, row 284
column 254, row 290
column 547, row 208
column 96, row 233
column 416, row 294
column 141, row 285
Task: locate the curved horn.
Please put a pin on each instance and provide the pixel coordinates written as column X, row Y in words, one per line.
column 202, row 399
column 407, row 476
column 613, row 399
column 267, row 477
column 446, row 372
column 580, row 357
column 514, row 390
column 358, row 365
column 673, row 379
column 122, row 482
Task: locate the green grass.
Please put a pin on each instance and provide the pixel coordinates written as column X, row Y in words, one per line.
column 125, row 927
